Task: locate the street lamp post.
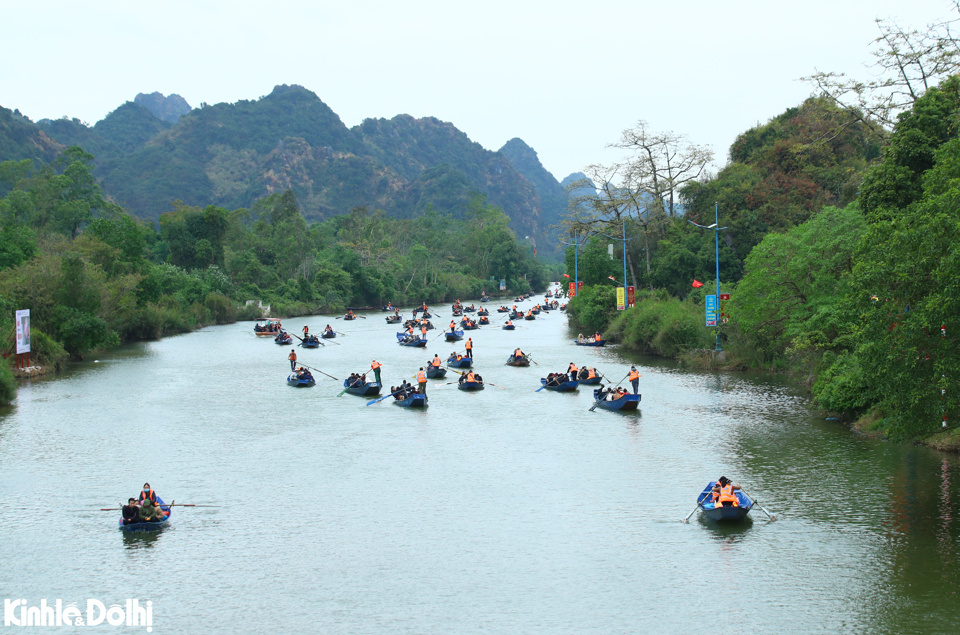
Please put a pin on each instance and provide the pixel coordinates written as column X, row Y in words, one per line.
column 716, row 229
column 577, row 241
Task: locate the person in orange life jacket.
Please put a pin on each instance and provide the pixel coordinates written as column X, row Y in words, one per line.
column 436, row 361
column 453, row 326
column 723, row 493
column 634, row 378
column 148, row 493
column 306, row 330
column 518, row 354
column 375, row 365
column 423, row 331
column 597, row 337
column 572, row 369
column 293, row 359
column 469, row 347
column 422, row 381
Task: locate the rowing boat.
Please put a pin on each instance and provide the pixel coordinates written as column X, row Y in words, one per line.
column 298, row 381
column 724, row 514
column 362, row 388
column 436, row 372
column 152, row 525
column 520, row 362
column 453, row 336
column 590, row 342
column 623, row 404
column 416, row 400
column 567, row 386
column 470, row 385
column 462, row 362
column 410, row 340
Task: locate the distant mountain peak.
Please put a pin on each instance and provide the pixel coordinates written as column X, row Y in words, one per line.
column 168, row 109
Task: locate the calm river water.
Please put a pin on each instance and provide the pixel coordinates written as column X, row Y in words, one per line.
column 504, row 511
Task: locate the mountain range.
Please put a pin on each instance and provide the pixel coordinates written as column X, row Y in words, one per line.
column 155, row 150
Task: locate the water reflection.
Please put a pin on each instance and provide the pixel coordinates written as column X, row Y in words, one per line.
column 140, row 540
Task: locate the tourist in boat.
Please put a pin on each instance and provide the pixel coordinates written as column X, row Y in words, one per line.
column 147, row 494
column 150, row 512
column 572, row 371
column 509, row 322
column 634, row 378
column 597, row 338
column 130, row 512
column 580, row 338
column 436, row 361
column 469, row 347
column 293, row 359
column 517, row 354
column 724, row 494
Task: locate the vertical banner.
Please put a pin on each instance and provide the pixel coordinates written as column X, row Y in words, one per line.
column 631, row 296
column 503, row 284
column 572, row 290
column 711, row 310
column 724, row 318
column 23, row 331
column 621, row 299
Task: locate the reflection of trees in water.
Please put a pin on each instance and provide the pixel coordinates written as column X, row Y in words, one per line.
column 920, row 536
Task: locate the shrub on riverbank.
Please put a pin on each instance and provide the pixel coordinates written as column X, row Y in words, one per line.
column 660, row 324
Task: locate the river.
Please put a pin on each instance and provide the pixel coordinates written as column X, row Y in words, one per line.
column 502, row 511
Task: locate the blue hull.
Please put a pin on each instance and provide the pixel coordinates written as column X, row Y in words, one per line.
column 325, row 335
column 623, row 404
column 463, row 362
column 567, row 386
column 509, row 327
column 413, row 401
column 366, row 389
column 310, row 344
column 591, row 343
column 297, row 382
column 149, row 526
column 419, row 343
column 436, row 372
column 456, row 336
column 471, row 385
column 724, row 514
column 591, row 382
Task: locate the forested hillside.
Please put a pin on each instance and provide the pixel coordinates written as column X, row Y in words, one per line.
column 150, row 153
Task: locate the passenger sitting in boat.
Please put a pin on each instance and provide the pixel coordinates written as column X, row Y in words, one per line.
column 130, row 512
column 723, row 493
column 580, row 338
column 597, row 338
column 436, row 361
column 517, row 354
column 150, row 512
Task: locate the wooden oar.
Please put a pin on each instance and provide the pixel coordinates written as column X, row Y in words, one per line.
column 757, row 503
column 318, row 370
column 369, row 403
column 172, row 504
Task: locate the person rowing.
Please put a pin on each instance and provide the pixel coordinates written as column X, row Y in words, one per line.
column 724, row 494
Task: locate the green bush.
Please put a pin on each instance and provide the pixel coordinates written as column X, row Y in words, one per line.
column 8, row 385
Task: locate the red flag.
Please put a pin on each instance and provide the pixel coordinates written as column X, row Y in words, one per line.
column 566, row 276
column 697, row 284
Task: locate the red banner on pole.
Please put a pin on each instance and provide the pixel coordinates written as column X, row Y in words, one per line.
column 630, row 297
column 572, row 289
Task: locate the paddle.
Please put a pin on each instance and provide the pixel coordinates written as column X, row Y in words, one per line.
column 318, row 370
column 173, row 504
column 369, row 403
column 692, row 513
column 757, row 503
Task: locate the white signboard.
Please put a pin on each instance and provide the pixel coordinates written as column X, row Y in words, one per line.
column 23, row 331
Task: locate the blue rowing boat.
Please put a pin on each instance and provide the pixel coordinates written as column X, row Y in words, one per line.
column 362, row 388
column 623, row 404
column 435, row 372
column 283, row 338
column 328, row 334
column 150, row 526
column 463, row 362
column 404, row 340
column 416, row 400
column 509, row 327
column 724, row 514
column 301, row 381
column 590, row 342
column 470, row 385
column 453, row 336
column 567, row 386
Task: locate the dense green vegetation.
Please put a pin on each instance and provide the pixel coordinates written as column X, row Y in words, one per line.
column 861, row 299
column 94, row 276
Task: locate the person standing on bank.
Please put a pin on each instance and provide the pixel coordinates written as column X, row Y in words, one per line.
column 469, row 347
column 634, row 378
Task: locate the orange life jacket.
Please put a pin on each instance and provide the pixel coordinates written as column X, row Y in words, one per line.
column 633, row 375
column 421, row 376
column 469, row 344
column 375, row 365
column 436, row 361
column 573, row 368
column 470, row 377
column 727, row 495
column 152, row 495
column 590, row 373
column 292, row 356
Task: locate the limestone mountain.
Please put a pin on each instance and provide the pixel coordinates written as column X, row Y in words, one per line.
column 168, row 109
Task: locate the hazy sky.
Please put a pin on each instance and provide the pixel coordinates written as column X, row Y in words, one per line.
column 566, row 77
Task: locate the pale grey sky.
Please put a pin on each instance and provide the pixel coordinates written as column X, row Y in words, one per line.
column 566, row 77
